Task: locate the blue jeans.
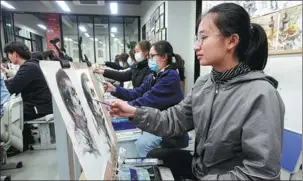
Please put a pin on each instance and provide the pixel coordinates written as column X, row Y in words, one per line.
column 147, row 142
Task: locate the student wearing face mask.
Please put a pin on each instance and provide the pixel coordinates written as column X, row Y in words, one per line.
column 138, row 72
column 161, row 90
column 131, row 58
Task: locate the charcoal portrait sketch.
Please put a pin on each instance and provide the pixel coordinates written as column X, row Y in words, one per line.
column 96, row 108
column 75, row 109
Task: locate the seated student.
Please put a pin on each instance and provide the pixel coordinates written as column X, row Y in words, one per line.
column 66, row 57
column 114, row 65
column 160, row 90
column 138, row 72
column 122, row 58
column 30, row 82
column 4, row 94
column 131, row 58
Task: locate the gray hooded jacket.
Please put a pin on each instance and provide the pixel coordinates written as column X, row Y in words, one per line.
column 238, row 125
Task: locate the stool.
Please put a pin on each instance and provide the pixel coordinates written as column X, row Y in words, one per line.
column 44, row 131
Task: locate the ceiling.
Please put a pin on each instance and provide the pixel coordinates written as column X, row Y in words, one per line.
column 125, row 7
column 89, row 19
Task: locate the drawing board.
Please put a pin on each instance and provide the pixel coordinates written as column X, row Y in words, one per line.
column 93, row 141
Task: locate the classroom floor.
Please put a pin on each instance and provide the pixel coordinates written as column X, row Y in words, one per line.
column 37, row 165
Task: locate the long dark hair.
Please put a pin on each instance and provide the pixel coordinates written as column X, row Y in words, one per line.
column 163, row 47
column 252, row 48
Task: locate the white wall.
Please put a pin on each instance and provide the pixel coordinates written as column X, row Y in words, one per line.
column 181, row 17
column 287, row 69
column 180, row 24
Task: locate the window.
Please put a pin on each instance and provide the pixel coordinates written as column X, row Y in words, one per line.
column 86, row 32
column 70, row 36
column 101, row 39
column 117, row 38
column 131, row 33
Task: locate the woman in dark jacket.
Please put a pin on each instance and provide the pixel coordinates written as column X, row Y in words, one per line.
column 161, row 90
column 138, row 72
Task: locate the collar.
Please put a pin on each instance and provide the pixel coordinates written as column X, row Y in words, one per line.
column 222, row 77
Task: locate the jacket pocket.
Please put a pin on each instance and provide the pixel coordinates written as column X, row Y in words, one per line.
column 217, row 153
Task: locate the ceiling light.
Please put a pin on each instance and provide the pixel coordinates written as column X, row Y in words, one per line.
column 114, row 8
column 116, row 39
column 112, row 35
column 42, row 26
column 82, row 28
column 65, row 38
column 8, row 24
column 91, row 39
column 113, row 30
column 63, row 6
column 5, row 4
column 87, row 35
column 96, row 39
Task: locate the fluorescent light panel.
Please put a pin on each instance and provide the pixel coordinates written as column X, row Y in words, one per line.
column 114, row 8
column 112, row 35
column 113, row 30
column 82, row 28
column 7, row 5
column 87, row 35
column 63, row 6
column 42, row 26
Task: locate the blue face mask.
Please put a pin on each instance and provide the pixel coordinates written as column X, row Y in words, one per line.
column 152, row 64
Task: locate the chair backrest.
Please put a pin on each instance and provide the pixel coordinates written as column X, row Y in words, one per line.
column 292, row 150
column 12, row 123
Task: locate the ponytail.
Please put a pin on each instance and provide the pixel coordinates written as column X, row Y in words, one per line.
column 179, row 65
column 257, row 51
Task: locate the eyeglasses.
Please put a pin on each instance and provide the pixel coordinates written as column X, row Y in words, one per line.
column 200, row 39
column 152, row 55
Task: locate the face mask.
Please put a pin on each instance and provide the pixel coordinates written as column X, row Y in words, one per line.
column 152, row 64
column 130, row 62
column 139, row 57
column 121, row 64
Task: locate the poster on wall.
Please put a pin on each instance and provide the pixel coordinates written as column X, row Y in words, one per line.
column 90, row 135
column 290, row 30
column 283, row 29
column 270, row 24
column 162, row 22
column 254, row 8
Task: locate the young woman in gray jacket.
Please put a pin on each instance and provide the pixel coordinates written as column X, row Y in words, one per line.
column 236, row 111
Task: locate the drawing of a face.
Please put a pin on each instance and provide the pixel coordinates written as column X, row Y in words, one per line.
column 95, row 107
column 74, row 107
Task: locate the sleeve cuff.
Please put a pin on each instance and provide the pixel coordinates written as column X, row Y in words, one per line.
column 138, row 118
column 116, row 94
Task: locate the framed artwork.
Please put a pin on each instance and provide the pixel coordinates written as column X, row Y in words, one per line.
column 283, row 29
column 162, row 8
column 157, row 13
column 153, row 22
column 157, row 25
column 162, row 21
column 163, row 32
